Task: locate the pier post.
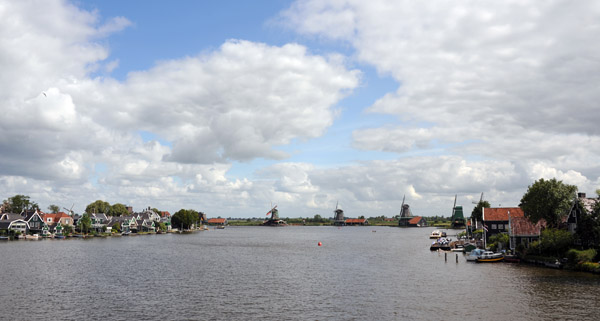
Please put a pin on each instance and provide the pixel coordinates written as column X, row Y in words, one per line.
column 456, row 258
column 446, row 257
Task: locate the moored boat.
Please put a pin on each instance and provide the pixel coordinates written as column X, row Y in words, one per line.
column 474, row 254
column 32, row 237
column 441, row 244
column 436, row 234
column 489, row 257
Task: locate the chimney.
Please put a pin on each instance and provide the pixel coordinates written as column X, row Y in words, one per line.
column 581, row 195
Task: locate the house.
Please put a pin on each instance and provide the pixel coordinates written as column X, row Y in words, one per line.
column 35, row 222
column 417, row 221
column 165, row 214
column 52, row 219
column 578, row 219
column 15, row 223
column 217, row 221
column 523, row 231
column 99, row 222
column 581, row 203
column 496, row 219
column 357, row 221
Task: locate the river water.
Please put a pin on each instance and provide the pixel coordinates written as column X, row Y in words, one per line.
column 279, row 273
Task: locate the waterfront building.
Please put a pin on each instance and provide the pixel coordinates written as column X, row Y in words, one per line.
column 496, row 219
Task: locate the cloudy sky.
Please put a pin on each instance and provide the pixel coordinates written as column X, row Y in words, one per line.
column 230, row 106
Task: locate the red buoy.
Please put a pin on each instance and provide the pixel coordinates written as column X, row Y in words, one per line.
column 319, row 243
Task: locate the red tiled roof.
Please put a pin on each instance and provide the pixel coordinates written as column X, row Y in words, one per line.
column 355, row 220
column 415, row 220
column 216, row 221
column 522, row 226
column 501, row 213
column 165, row 214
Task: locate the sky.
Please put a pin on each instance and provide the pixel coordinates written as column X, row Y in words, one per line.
column 229, row 107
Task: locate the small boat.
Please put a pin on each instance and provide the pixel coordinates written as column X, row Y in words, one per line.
column 126, row 233
column 220, row 227
column 474, row 254
column 59, row 236
column 4, row 238
column 512, row 258
column 458, row 248
column 436, row 234
column 489, row 256
column 555, row 265
column 32, row 237
column 441, row 244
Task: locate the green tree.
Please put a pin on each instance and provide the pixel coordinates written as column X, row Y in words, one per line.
column 588, row 226
column 117, row 227
column 67, row 229
column 161, row 226
column 549, row 200
column 184, row 219
column 555, row 242
column 118, row 209
column 85, row 223
column 477, row 212
column 53, row 208
column 19, row 203
column 98, row 207
column 499, row 241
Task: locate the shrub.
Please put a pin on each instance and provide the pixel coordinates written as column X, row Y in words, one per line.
column 576, row 256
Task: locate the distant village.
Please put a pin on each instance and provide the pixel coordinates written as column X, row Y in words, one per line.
column 537, row 226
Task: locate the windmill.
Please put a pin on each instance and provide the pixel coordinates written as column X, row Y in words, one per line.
column 458, row 219
column 70, row 210
column 274, row 220
column 405, row 214
column 338, row 215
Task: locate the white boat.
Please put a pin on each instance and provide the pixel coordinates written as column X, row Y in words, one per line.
column 474, row 255
column 489, row 256
column 436, row 234
column 32, row 237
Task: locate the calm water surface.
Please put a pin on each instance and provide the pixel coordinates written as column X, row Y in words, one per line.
column 266, row 273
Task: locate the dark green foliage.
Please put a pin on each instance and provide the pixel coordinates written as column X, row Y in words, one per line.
column 499, row 240
column 98, row 207
column 549, row 200
column 53, row 208
column 118, row 209
column 19, row 203
column 576, row 256
column 184, row 219
column 555, row 242
column 116, row 227
column 477, row 210
column 84, row 224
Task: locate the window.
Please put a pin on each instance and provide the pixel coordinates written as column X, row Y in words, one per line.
column 494, row 227
column 48, row 220
column 501, row 227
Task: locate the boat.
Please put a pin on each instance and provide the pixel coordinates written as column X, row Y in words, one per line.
column 458, row 248
column 489, row 256
column 59, row 236
column 32, row 237
column 220, row 227
column 436, row 234
column 474, row 254
column 441, row 244
column 4, row 238
column 512, row 258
